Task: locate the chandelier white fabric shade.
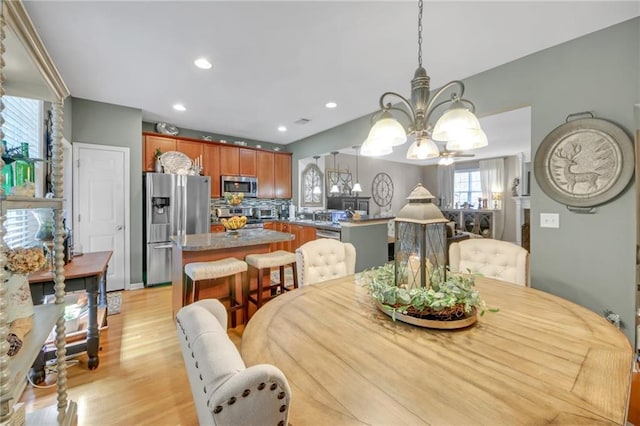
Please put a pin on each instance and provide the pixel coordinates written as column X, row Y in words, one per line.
column 334, row 189
column 425, row 150
column 317, row 190
column 357, row 187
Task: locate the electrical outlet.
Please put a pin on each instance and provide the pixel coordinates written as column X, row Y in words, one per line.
column 549, row 220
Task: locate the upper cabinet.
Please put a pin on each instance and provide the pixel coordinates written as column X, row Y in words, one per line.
column 191, row 149
column 266, row 174
column 282, row 169
column 236, row 161
column 272, row 169
column 151, row 145
column 211, row 167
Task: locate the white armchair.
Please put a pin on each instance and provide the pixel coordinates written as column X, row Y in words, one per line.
column 492, row 258
column 324, row 259
column 224, row 391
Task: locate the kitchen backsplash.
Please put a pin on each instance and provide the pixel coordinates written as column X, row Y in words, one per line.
column 279, row 204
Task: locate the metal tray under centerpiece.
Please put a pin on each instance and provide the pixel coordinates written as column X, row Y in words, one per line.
column 469, row 319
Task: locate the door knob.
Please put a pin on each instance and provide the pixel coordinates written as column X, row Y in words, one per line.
column 119, row 228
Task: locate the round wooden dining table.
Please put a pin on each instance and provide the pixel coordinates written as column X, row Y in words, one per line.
column 540, row 359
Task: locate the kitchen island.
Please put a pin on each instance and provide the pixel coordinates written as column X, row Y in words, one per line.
column 215, row 246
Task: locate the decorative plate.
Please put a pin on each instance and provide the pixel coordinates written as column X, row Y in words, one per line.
column 382, row 189
column 175, row 162
column 585, row 162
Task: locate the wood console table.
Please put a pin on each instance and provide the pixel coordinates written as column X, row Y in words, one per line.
column 540, row 360
column 87, row 272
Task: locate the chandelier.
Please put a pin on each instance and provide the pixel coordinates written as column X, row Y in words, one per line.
column 458, row 125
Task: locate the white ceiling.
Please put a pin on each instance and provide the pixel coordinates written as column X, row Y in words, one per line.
column 277, row 62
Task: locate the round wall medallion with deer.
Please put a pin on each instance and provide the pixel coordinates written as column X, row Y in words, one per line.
column 584, row 162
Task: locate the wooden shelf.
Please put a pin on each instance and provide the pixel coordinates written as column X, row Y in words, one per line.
column 12, row 202
column 44, row 320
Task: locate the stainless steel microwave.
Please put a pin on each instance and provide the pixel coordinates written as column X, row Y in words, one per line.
column 234, row 184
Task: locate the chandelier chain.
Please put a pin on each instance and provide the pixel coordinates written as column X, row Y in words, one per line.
column 420, row 33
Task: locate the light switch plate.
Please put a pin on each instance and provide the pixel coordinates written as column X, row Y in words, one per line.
column 549, row 220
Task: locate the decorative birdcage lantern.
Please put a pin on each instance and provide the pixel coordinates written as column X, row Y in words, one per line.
column 421, row 241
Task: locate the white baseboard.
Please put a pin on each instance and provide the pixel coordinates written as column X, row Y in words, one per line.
column 135, row 286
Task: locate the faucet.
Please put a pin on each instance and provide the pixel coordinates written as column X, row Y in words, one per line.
column 350, row 212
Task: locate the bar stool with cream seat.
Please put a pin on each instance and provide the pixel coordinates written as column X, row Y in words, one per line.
column 275, row 259
column 217, row 269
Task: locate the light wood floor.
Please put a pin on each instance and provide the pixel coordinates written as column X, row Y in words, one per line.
column 141, row 379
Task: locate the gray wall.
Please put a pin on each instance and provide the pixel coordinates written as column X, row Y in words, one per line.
column 590, row 259
column 105, row 124
column 404, row 176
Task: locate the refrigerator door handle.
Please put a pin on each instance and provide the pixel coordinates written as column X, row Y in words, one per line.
column 162, row 247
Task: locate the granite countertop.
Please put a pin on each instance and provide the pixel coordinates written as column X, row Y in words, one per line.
column 335, row 226
column 223, row 240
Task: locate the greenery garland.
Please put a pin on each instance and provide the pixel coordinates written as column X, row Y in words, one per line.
column 446, row 298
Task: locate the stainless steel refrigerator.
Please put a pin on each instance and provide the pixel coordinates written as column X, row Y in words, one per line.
column 173, row 205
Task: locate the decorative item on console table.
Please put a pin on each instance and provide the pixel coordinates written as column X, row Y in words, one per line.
column 20, row 263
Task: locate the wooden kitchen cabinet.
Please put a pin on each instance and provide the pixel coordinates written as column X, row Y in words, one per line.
column 217, row 228
column 282, row 175
column 247, row 164
column 151, row 143
column 303, row 235
column 191, row 149
column 266, row 174
column 229, row 161
column 211, row 167
column 236, row 161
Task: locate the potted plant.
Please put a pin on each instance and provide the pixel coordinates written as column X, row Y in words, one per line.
column 449, row 302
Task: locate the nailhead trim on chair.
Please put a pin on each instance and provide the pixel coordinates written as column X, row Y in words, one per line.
column 281, row 394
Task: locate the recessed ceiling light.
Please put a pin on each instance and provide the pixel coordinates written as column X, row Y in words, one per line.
column 331, row 105
column 179, row 107
column 202, row 63
column 282, row 129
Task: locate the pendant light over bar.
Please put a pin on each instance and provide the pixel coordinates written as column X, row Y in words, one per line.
column 356, row 186
column 334, row 185
column 458, row 125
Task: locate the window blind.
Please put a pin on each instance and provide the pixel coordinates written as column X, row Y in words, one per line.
column 23, row 123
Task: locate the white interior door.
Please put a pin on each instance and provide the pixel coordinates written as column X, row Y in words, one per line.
column 101, row 206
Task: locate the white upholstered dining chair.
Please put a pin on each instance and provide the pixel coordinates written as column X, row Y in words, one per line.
column 324, row 259
column 225, row 392
column 497, row 259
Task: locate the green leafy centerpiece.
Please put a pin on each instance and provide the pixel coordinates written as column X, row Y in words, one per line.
column 417, row 288
column 449, row 302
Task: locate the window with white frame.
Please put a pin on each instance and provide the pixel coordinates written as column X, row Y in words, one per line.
column 23, row 122
column 467, row 187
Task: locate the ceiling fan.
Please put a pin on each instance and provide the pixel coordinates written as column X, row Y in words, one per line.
column 448, row 157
